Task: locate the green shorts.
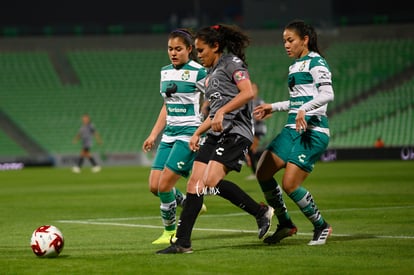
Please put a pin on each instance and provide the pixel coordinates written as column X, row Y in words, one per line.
column 304, row 149
column 176, row 156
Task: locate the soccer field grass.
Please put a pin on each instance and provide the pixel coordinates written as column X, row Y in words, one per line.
column 109, row 220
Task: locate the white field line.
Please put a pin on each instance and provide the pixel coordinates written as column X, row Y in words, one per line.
column 215, row 229
column 245, row 214
column 111, row 222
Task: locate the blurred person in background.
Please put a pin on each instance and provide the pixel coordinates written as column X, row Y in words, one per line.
column 182, row 89
column 305, row 136
column 86, row 134
column 379, row 143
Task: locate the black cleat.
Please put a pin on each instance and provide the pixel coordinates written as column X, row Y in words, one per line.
column 175, row 249
column 281, row 233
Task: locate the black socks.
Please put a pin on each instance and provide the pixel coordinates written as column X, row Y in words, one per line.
column 238, row 197
column 193, row 204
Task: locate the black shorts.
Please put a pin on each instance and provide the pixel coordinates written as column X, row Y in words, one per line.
column 229, row 150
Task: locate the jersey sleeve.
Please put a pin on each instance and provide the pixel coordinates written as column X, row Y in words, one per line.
column 323, row 81
column 236, row 69
column 320, row 72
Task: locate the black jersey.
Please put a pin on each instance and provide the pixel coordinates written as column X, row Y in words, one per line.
column 221, row 87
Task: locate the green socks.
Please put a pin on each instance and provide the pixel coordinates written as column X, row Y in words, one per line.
column 168, row 209
column 304, row 200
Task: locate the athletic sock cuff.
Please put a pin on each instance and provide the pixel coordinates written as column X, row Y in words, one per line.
column 166, row 197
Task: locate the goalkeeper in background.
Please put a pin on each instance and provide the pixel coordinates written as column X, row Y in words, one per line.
column 86, row 134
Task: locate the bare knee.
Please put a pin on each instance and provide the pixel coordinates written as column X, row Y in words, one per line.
column 268, row 165
column 154, row 190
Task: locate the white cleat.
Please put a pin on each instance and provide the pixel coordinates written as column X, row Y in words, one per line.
column 76, row 169
column 321, row 235
column 96, row 169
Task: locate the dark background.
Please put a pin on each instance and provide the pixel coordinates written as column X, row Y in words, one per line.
column 76, row 16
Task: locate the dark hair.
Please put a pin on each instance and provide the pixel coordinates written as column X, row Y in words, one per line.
column 303, row 29
column 187, row 37
column 228, row 37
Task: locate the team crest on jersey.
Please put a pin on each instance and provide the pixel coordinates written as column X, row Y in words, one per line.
column 240, row 75
column 185, row 75
column 302, row 67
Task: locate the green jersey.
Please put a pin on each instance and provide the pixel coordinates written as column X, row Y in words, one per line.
column 182, row 89
column 306, row 76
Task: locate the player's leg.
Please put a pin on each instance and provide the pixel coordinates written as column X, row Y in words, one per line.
column 300, row 164
column 157, row 168
column 163, row 152
column 86, row 153
column 168, row 205
column 270, row 162
column 229, row 158
column 78, row 166
column 178, row 164
column 189, row 214
column 194, row 200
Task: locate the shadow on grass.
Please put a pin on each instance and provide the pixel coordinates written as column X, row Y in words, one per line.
column 219, row 241
column 352, row 237
column 224, row 236
column 247, row 241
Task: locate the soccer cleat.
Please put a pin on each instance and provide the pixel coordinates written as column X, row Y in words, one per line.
column 264, row 219
column 76, row 169
column 165, row 237
column 175, row 249
column 321, row 235
column 96, row 169
column 280, row 234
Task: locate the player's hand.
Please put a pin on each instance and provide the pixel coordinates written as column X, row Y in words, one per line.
column 217, row 122
column 262, row 111
column 301, row 123
column 194, row 143
column 148, row 144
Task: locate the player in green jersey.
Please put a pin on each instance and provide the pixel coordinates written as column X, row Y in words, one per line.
column 182, row 89
column 305, row 136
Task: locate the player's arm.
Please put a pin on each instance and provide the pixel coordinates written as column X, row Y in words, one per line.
column 265, row 110
column 98, row 137
column 156, row 130
column 323, row 81
column 243, row 97
column 322, row 77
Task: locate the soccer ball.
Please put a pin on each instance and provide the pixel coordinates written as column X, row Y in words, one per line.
column 47, row 241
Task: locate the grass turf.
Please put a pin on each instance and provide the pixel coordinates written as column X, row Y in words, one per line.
column 109, row 220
